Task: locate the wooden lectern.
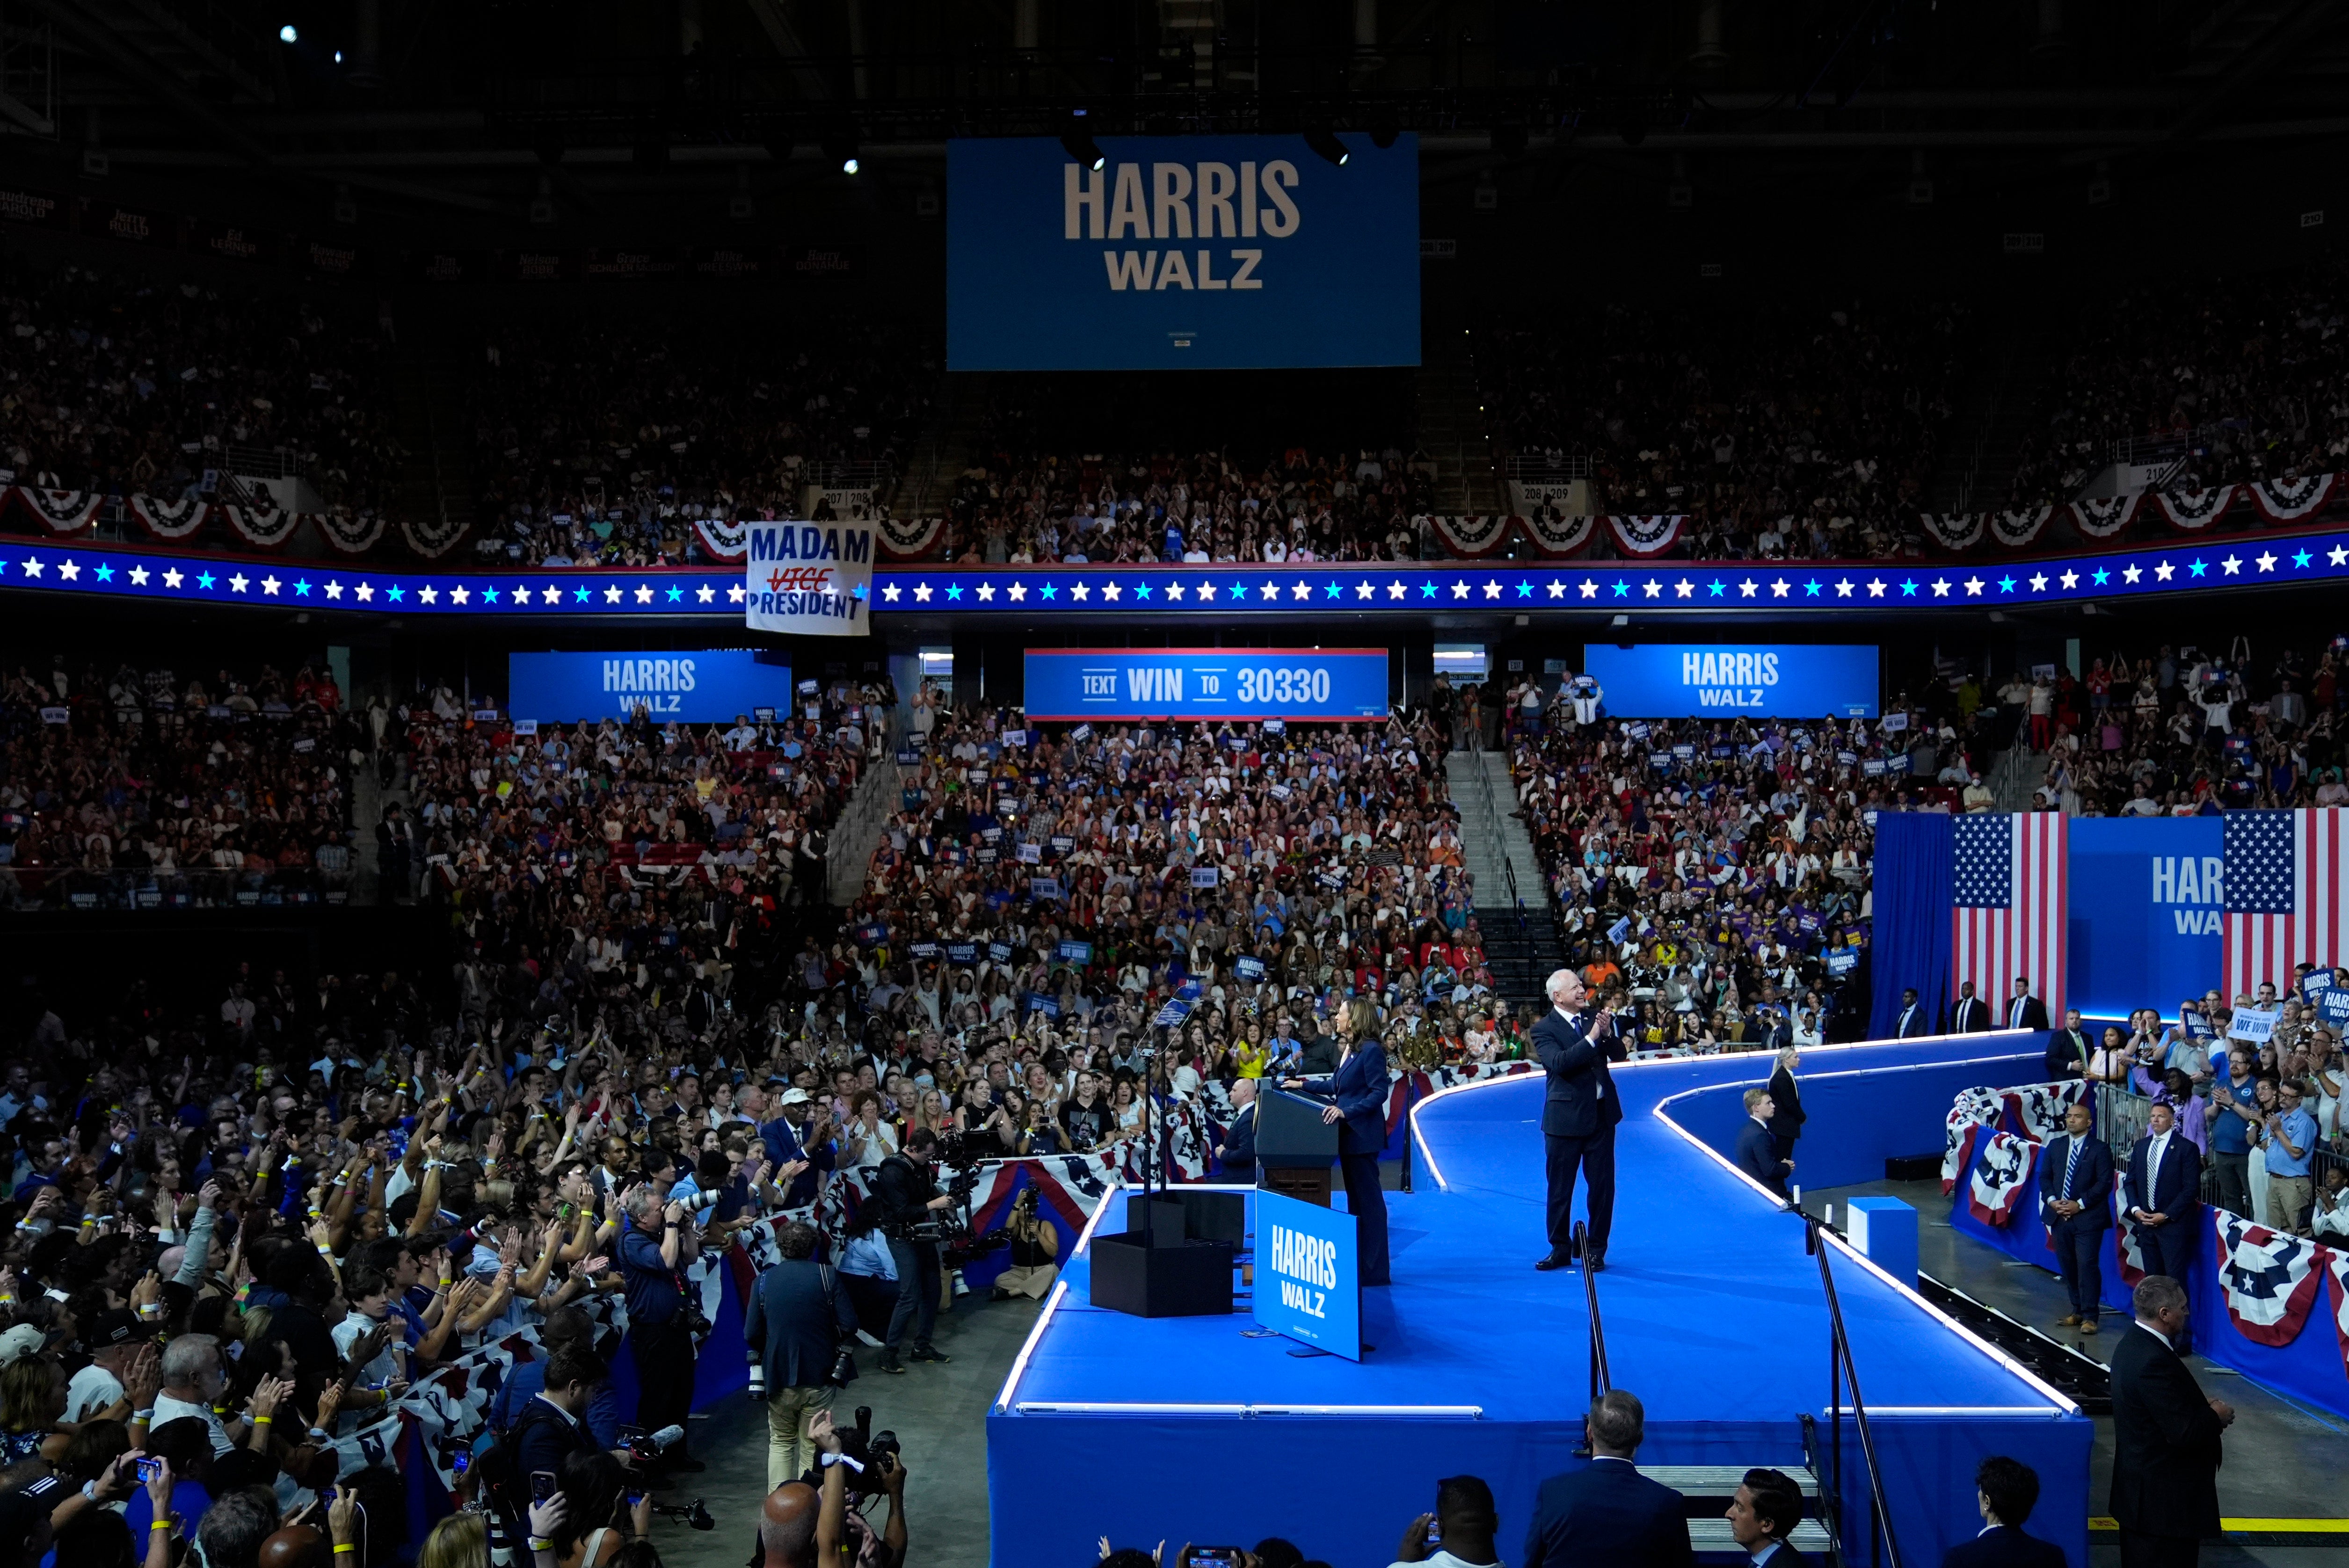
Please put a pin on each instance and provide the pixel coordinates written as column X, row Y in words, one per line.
column 1295, row 1149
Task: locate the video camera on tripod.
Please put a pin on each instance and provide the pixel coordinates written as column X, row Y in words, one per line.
column 950, row 1227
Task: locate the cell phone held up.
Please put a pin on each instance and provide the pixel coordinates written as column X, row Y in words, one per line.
column 1215, row 1557
column 542, row 1485
column 149, row 1469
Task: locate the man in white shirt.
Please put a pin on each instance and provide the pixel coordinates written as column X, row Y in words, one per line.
column 192, row 1378
column 98, row 1388
column 1459, row 1534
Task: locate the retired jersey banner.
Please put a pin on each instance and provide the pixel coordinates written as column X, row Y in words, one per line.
column 814, row 579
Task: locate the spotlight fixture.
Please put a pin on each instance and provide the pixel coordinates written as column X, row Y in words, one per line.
column 286, row 35
column 1327, row 144
column 841, row 150
column 1081, row 147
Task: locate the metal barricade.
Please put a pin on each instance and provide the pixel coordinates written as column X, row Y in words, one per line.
column 2122, row 1118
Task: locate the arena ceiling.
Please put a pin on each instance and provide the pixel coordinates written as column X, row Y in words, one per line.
column 554, row 111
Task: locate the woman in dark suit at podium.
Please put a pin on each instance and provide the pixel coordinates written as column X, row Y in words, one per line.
column 1357, row 1098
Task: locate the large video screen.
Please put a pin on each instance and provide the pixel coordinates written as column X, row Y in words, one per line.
column 1207, row 682
column 1204, row 253
column 706, row 685
column 1725, row 680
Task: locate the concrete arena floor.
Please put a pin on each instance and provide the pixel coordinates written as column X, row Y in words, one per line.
column 2284, row 1460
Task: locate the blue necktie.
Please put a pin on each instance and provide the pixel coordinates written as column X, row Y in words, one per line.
column 2070, row 1168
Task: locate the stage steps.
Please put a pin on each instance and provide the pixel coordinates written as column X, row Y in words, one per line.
column 1706, row 1489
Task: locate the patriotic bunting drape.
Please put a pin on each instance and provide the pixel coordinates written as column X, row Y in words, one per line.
column 2289, row 501
column 262, row 527
column 724, row 539
column 167, row 518
column 2271, row 1279
column 904, row 538
column 2102, row 518
column 1953, row 531
column 1649, row 534
column 2016, row 528
column 2194, row 509
column 61, row 510
column 2002, row 1176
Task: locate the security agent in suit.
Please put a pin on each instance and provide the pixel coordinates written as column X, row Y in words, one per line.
column 2075, row 1175
column 2007, row 1490
column 1787, row 1116
column 2024, row 1010
column 1914, row 1022
column 1237, row 1150
column 1970, row 1015
column 1763, row 1514
column 2160, row 1194
column 1757, row 1151
column 1357, row 1096
column 2068, row 1048
column 1607, row 1512
column 2167, row 1436
column 1578, row 1115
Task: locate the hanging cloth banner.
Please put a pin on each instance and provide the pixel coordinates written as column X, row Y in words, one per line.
column 2195, row 509
column 1559, row 535
column 2270, row 1279
column 266, row 527
column 908, row 539
column 351, row 534
column 725, row 541
column 1650, row 533
column 1953, row 531
column 812, row 578
column 2001, row 1175
column 1472, row 535
column 167, row 518
column 433, row 537
column 61, row 510
column 2289, row 501
column 2102, row 518
column 2017, row 529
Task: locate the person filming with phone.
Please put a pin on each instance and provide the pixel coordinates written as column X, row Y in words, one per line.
column 1459, row 1534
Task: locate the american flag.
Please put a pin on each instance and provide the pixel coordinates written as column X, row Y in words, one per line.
column 2287, row 894
column 2012, row 900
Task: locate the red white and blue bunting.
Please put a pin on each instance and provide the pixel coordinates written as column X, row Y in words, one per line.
column 433, row 537
column 1953, row 531
column 2289, row 501
column 2104, row 517
column 262, row 527
column 2127, row 1243
column 1974, row 1109
column 2016, row 528
column 350, row 534
column 908, row 538
column 1559, row 536
column 1472, row 537
column 2270, row 1279
column 2001, row 1177
column 169, row 518
column 724, row 539
column 2192, row 511
column 1645, row 533
column 2036, row 1111
column 61, row 510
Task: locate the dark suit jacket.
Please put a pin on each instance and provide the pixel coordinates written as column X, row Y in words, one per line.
column 1786, row 1103
column 1607, row 1512
column 1581, row 1099
column 797, row 1317
column 2068, row 1053
column 1913, row 1023
column 1758, row 1157
column 1359, row 1090
column 1971, row 1016
column 1240, row 1138
column 2166, row 1442
column 2174, row 1189
column 2034, row 1014
column 2091, row 1186
column 1779, row 1556
column 2004, row 1547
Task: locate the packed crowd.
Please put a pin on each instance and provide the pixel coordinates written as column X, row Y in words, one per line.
column 2244, row 379
column 1048, row 883
column 2175, row 729
column 1714, row 876
column 1025, row 501
column 175, row 786
column 1780, row 433
column 632, row 842
column 118, row 385
column 602, row 444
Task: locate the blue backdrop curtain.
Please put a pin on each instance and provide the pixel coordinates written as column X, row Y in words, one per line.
column 1914, row 895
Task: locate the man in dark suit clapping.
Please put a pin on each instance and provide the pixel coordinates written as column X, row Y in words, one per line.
column 1607, row 1512
column 2167, row 1436
column 2007, row 1490
column 2161, row 1192
column 1578, row 1115
column 2075, row 1177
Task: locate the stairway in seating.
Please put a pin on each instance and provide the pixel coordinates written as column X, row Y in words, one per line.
column 1521, row 938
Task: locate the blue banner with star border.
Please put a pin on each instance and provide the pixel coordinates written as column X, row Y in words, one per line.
column 1168, row 593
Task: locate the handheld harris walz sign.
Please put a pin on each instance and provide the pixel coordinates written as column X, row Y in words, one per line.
column 812, row 578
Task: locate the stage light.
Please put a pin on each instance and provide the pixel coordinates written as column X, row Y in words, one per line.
column 1082, row 147
column 338, row 56
column 1327, row 144
column 286, row 35
column 849, row 166
column 841, row 150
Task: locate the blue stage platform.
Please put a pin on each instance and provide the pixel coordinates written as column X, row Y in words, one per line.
column 1181, row 1429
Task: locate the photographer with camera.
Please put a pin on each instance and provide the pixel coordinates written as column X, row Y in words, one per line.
column 657, row 1243
column 799, row 1326
column 817, row 1519
column 910, row 1206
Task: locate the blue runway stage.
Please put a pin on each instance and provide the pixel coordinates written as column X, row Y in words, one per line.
column 1181, row 1429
